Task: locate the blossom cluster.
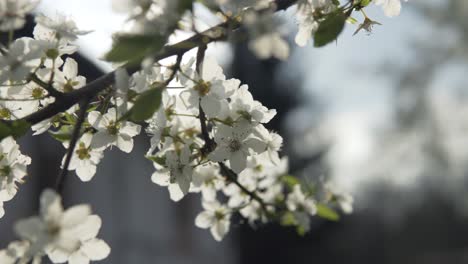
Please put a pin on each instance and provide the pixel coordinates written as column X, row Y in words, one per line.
column 207, row 133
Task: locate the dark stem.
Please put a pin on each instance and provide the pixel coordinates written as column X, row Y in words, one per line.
column 73, row 141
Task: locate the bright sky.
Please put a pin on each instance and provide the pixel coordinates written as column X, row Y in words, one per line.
column 94, row 15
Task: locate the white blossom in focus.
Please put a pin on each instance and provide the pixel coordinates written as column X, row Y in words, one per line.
column 85, row 158
column 111, row 132
column 178, row 174
column 13, row 166
column 234, row 143
column 68, row 79
column 210, row 89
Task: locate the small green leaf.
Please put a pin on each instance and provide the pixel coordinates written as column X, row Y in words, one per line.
column 301, row 231
column 159, row 160
column 288, row 219
column 63, row 134
column 290, row 180
column 16, row 128
column 352, row 20
column 146, row 104
column 365, row 3
column 133, row 48
column 336, row 2
column 329, row 29
column 327, row 213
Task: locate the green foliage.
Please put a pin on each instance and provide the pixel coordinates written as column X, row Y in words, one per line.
column 15, row 128
column 327, row 213
column 146, row 104
column 159, row 160
column 133, row 48
column 63, row 134
column 290, row 180
column 330, row 28
column 363, row 3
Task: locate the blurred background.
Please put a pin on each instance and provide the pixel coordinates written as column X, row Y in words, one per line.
column 382, row 115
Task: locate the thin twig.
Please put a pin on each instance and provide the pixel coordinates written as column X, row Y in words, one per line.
column 71, row 147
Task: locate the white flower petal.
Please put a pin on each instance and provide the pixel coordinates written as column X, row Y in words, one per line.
column 204, row 219
column 96, row 249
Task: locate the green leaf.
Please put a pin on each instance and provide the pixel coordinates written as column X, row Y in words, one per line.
column 16, row 128
column 133, row 48
column 327, row 213
column 290, row 180
column 159, row 160
column 63, row 134
column 329, row 29
column 352, row 20
column 288, row 219
column 146, row 104
column 365, row 3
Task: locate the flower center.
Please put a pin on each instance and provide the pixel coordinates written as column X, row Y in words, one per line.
column 113, row 128
column 219, row 215
column 5, row 171
column 235, row 145
column 202, row 87
column 37, row 93
column 5, row 113
column 83, row 152
column 52, row 53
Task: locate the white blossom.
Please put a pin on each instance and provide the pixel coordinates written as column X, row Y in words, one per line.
column 265, row 39
column 210, row 89
column 243, row 105
column 68, row 79
column 307, row 23
column 216, row 217
column 63, row 235
column 62, row 27
column 14, row 63
column 110, row 131
column 234, row 143
column 85, row 158
column 207, row 180
column 391, row 7
column 178, row 174
column 13, row 13
column 12, row 168
column 301, row 206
